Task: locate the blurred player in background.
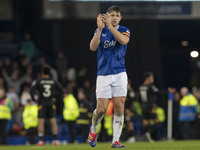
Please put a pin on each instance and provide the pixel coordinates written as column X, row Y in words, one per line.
column 46, row 88
column 148, row 97
column 111, row 40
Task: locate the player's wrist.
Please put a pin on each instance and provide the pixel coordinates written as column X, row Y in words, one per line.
column 99, row 29
column 109, row 26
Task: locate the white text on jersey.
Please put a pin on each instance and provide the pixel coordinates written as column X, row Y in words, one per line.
column 109, row 44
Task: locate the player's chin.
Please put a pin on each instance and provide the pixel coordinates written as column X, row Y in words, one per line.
column 115, row 24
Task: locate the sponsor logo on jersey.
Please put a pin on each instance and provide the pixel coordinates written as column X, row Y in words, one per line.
column 103, row 35
column 109, row 43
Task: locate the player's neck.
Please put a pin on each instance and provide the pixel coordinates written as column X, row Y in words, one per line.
column 116, row 27
column 146, row 83
column 45, row 76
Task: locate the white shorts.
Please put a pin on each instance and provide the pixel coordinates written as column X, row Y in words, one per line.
column 110, row 86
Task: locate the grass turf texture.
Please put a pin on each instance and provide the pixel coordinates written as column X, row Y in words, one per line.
column 172, row 145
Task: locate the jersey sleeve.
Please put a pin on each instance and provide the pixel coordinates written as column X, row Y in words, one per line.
column 154, row 88
column 33, row 88
column 126, row 32
column 95, row 31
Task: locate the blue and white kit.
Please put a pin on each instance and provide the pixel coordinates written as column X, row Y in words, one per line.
column 110, row 55
column 111, row 71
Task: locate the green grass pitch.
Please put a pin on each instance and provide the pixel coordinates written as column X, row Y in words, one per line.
column 164, row 145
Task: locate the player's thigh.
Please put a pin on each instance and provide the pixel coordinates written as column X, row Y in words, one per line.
column 102, row 105
column 103, row 87
column 119, row 85
column 146, row 117
column 41, row 122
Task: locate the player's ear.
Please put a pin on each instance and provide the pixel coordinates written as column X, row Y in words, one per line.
column 120, row 18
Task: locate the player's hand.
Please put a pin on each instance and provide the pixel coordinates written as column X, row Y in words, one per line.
column 100, row 23
column 106, row 18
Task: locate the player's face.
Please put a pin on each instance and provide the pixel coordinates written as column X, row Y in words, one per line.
column 151, row 79
column 115, row 18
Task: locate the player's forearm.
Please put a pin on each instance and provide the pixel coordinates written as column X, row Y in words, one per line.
column 32, row 95
column 95, row 41
column 122, row 39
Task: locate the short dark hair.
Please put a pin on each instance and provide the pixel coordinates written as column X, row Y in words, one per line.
column 147, row 74
column 114, row 8
column 46, row 70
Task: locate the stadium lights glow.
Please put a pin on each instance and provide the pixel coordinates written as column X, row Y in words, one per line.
column 184, row 43
column 194, row 54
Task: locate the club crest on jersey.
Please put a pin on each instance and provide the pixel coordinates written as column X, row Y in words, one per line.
column 109, row 44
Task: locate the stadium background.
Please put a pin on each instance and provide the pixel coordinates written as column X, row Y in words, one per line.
column 58, row 26
column 157, row 39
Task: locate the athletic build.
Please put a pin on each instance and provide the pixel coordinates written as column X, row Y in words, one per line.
column 111, row 40
column 45, row 88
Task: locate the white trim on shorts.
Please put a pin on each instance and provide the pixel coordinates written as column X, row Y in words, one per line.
column 109, row 86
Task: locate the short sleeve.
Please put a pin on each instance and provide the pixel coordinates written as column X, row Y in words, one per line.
column 154, row 88
column 95, row 31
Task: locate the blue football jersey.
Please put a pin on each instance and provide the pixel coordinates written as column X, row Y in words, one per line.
column 111, row 54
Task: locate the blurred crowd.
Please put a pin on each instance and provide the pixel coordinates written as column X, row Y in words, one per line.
column 17, row 75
